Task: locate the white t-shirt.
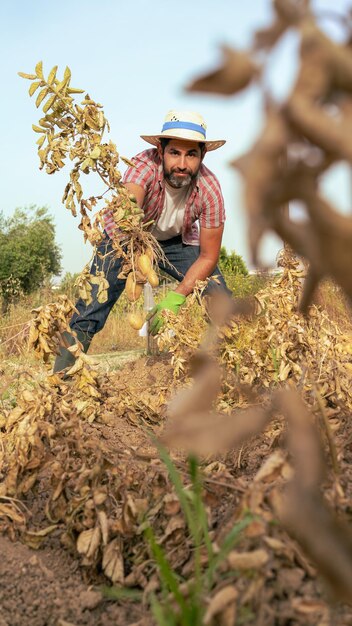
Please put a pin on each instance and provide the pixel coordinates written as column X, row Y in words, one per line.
column 170, row 221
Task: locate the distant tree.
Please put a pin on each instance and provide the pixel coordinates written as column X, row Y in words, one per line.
column 67, row 285
column 232, row 263
column 29, row 255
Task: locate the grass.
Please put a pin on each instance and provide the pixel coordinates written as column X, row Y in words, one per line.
column 189, row 609
column 242, row 286
column 117, row 335
column 331, row 298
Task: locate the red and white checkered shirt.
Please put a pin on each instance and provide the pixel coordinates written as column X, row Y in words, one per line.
column 205, row 201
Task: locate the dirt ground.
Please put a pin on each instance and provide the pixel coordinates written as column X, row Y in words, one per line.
column 47, row 588
column 50, row 587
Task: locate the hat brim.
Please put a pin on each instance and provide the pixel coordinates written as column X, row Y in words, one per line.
column 210, row 145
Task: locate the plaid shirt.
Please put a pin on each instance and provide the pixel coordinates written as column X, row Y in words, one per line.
column 205, row 201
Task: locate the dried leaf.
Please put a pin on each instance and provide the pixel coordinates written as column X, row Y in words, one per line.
column 34, row 539
column 33, row 87
column 52, row 75
column 256, row 559
column 235, row 74
column 7, row 510
column 39, row 69
column 104, row 526
column 113, row 561
column 29, row 76
column 88, row 542
column 224, row 597
column 40, row 97
column 271, row 468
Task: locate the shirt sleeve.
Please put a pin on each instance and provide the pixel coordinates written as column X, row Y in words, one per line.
column 142, row 172
column 213, row 206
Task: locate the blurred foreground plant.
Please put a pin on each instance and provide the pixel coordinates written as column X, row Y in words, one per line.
column 303, row 137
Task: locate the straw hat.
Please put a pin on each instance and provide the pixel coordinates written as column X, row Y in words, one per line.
column 186, row 125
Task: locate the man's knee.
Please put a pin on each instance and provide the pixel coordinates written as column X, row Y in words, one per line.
column 84, row 325
column 216, row 284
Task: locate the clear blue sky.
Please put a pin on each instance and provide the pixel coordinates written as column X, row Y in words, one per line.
column 135, row 58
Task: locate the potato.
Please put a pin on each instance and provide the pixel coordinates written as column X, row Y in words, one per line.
column 153, row 278
column 150, row 254
column 136, row 320
column 132, row 288
column 144, row 264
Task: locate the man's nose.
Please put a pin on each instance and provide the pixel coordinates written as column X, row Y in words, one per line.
column 182, row 162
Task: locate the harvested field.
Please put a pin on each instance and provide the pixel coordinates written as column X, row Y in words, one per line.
column 211, row 484
column 82, row 479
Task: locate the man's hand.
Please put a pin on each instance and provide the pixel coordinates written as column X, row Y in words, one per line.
column 172, row 302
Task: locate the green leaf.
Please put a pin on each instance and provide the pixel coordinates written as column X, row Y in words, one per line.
column 230, row 540
column 167, row 575
column 29, row 253
column 39, row 69
column 121, row 593
column 159, row 613
column 33, row 87
column 199, row 508
column 29, row 76
column 180, row 491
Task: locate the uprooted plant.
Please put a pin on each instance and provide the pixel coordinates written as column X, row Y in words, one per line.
column 75, row 132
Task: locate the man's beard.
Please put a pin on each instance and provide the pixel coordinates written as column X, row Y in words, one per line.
column 177, row 181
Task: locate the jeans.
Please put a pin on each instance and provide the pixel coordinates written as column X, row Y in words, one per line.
column 91, row 318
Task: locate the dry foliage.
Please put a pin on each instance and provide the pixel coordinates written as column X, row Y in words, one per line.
column 265, row 399
column 47, row 327
column 75, row 131
column 267, row 343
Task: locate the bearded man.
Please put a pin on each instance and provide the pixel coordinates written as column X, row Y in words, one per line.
column 176, row 192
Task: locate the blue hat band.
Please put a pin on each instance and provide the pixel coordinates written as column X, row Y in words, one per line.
column 184, row 126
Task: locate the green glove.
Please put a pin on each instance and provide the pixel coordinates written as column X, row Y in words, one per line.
column 172, row 302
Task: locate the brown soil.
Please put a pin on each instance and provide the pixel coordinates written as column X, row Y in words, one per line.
column 50, row 587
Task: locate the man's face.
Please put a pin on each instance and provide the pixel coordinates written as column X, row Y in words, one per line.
column 181, row 161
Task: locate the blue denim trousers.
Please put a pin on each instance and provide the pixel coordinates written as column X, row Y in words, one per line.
column 92, row 317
